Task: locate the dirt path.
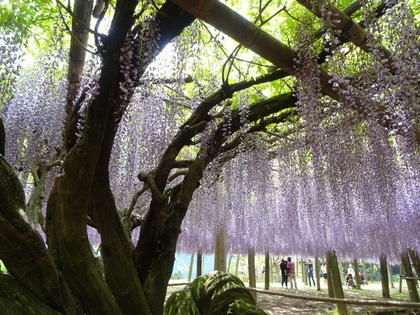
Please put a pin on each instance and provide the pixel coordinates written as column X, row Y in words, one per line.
column 274, row 305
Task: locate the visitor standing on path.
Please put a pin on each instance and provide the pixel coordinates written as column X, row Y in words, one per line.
column 310, row 271
column 350, row 270
column 324, row 273
column 291, row 272
column 283, row 269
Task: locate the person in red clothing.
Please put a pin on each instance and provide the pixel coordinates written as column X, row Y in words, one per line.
column 291, row 272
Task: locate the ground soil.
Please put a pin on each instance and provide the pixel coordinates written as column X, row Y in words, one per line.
column 273, row 304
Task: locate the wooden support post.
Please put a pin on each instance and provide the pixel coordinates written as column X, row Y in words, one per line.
column 371, row 271
column 356, row 273
column 407, row 273
column 237, row 265
column 191, row 267
column 199, row 263
column 317, row 274
column 400, row 282
column 384, row 275
column 267, row 273
column 391, row 280
column 335, row 274
column 251, row 272
column 220, row 251
column 304, row 272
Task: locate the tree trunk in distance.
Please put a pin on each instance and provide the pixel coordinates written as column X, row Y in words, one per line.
column 364, row 271
column 408, row 272
column 384, row 275
column 237, row 265
column 391, row 279
column 343, row 271
column 329, row 280
column 278, row 272
column 416, row 260
column 267, row 271
column 229, row 262
column 2, row 138
column 251, row 272
column 356, row 273
column 191, row 267
column 371, row 271
column 317, row 274
column 199, row 263
column 400, row 282
column 335, row 275
column 220, row 251
column 304, row 272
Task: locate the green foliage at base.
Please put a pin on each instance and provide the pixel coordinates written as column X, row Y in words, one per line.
column 181, row 302
column 215, row 293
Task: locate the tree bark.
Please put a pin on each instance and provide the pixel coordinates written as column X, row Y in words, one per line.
column 17, row 299
column 78, row 45
column 23, row 250
column 2, row 138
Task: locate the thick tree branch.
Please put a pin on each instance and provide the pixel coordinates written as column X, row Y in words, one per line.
column 16, row 299
column 2, row 138
column 246, row 33
column 22, row 249
column 268, row 47
column 80, row 34
column 150, row 182
column 350, row 30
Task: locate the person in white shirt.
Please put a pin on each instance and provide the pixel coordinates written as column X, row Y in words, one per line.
column 350, row 270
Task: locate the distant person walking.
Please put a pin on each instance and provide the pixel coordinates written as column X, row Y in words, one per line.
column 291, row 273
column 310, row 271
column 350, row 270
column 324, row 273
column 283, row 269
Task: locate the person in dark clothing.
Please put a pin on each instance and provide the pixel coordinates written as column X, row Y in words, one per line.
column 283, row 269
column 310, row 271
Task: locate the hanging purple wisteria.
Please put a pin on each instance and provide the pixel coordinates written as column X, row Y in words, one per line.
column 347, row 178
column 350, row 181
